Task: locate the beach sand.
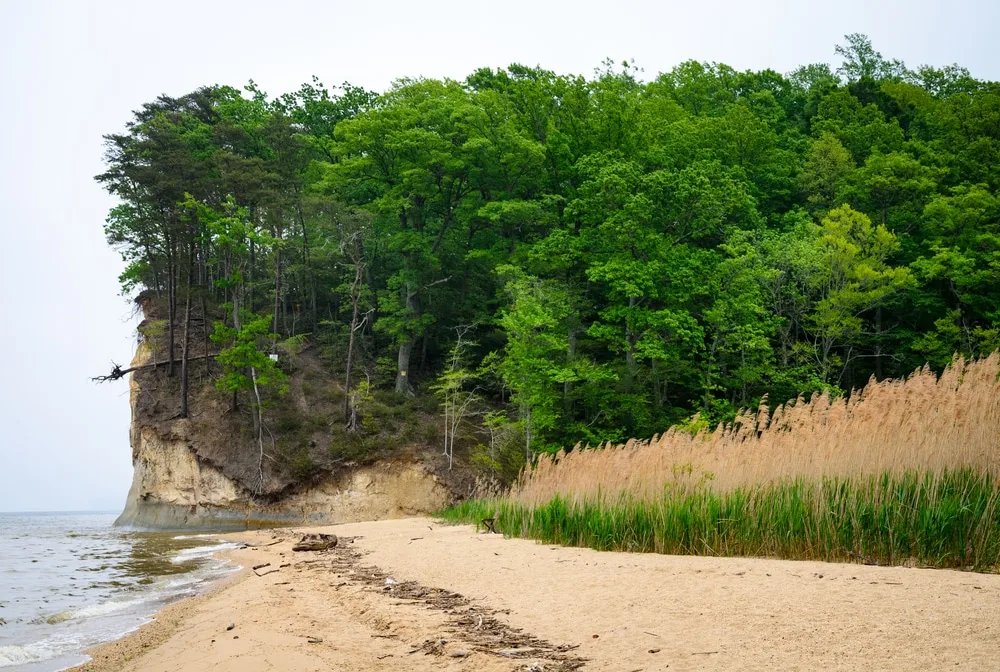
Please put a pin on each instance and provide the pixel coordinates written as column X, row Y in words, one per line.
column 387, row 600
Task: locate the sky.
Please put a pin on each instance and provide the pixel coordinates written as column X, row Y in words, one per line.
column 73, row 71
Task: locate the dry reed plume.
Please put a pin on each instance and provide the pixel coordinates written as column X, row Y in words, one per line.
column 925, row 423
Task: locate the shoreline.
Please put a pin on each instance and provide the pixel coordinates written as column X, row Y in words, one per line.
column 432, row 596
column 115, row 653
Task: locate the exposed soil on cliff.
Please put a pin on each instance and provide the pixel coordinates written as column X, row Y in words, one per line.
column 305, row 441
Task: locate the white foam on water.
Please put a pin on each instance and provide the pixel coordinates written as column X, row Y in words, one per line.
column 200, row 552
column 40, row 651
column 105, row 608
column 185, row 537
column 174, row 584
column 19, row 655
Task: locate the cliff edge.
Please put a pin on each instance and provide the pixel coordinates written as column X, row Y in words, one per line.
column 206, row 471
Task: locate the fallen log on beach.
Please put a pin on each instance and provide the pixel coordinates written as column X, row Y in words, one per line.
column 316, row 542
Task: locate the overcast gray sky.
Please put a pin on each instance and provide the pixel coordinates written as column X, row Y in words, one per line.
column 72, row 71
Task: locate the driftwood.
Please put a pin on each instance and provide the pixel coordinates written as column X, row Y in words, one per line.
column 117, row 372
column 316, row 542
column 865, row 559
column 490, row 523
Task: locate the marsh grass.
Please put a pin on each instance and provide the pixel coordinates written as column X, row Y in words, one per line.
column 932, row 520
column 923, row 423
column 902, row 472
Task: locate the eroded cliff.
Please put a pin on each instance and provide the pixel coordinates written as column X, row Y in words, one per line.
column 206, row 471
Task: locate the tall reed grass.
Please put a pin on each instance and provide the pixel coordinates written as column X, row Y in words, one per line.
column 924, row 423
column 900, row 472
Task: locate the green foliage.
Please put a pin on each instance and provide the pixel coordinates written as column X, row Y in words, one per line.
column 632, row 250
column 951, row 520
column 293, row 345
column 502, row 458
column 244, row 363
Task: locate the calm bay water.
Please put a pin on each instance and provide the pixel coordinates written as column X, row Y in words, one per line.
column 69, row 581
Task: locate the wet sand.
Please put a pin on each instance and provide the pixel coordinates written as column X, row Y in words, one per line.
column 417, row 595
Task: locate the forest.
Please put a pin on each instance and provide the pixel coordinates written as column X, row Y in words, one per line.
column 559, row 259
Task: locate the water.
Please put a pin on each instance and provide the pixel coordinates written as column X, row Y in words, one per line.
column 69, row 581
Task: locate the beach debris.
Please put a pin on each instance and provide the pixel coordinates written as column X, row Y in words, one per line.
column 459, row 653
column 389, row 581
column 865, row 559
column 490, row 523
column 314, row 640
column 316, row 542
column 231, row 626
column 256, row 567
column 270, row 571
column 654, row 650
column 430, row 646
column 477, row 628
column 524, row 652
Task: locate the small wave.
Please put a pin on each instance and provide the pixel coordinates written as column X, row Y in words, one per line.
column 199, row 552
column 105, row 608
column 59, row 618
column 184, row 537
column 29, row 653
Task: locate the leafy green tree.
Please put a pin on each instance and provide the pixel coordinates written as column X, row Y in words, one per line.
column 452, row 388
column 534, row 362
column 861, row 61
column 854, row 277
column 826, row 168
column 962, row 259
column 248, row 367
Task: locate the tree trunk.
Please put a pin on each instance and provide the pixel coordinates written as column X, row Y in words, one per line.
column 204, row 330
column 406, row 345
column 423, row 352
column 355, row 296
column 156, row 275
column 236, row 325
column 630, row 338
column 878, row 343
column 403, row 368
column 171, row 305
column 570, row 356
column 527, row 436
column 253, row 260
column 186, row 346
column 259, row 424
column 309, row 269
column 277, row 290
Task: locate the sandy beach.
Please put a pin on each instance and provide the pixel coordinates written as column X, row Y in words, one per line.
column 414, row 594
